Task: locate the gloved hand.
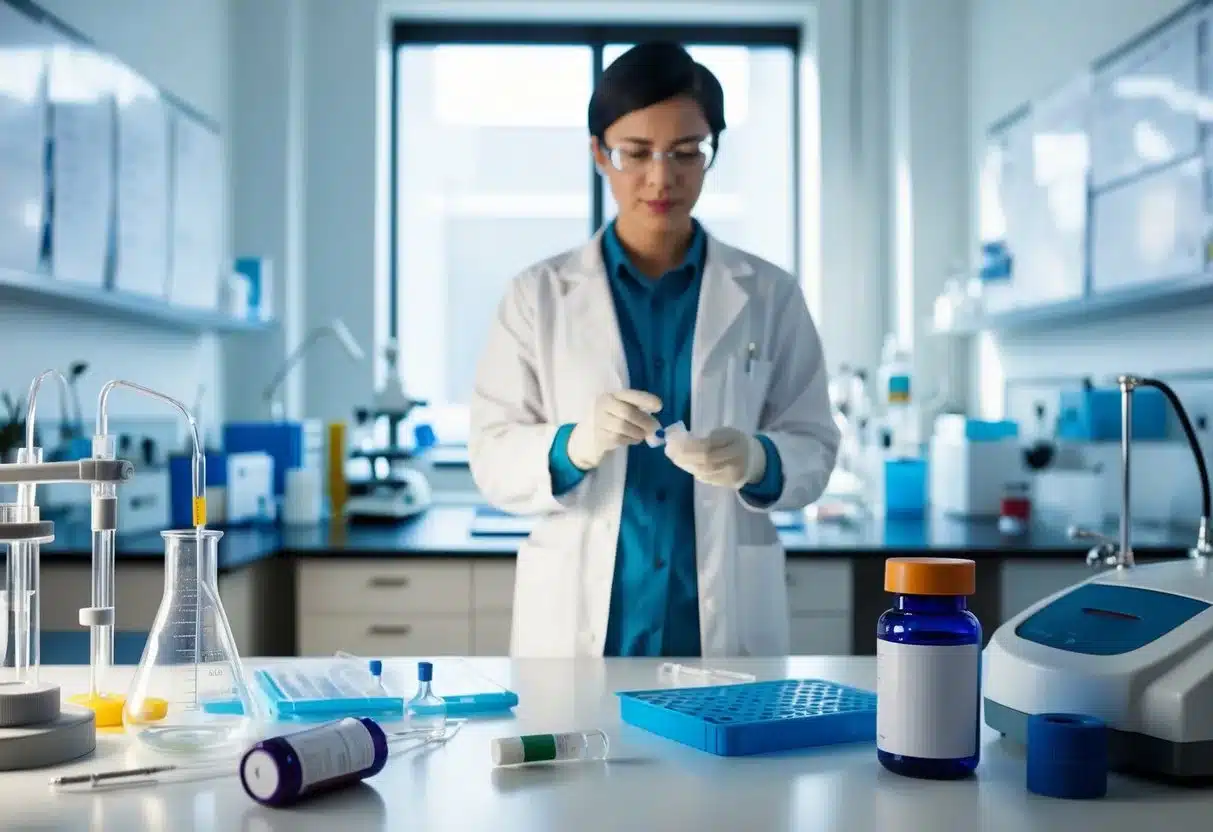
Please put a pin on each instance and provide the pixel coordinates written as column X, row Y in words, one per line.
column 727, row 457
column 619, row 419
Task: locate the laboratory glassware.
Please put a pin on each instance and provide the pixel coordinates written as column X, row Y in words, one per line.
column 426, row 711
column 99, row 616
column 544, row 748
column 190, row 693
column 35, row 730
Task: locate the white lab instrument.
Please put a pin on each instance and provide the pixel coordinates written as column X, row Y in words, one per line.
column 391, row 484
column 551, row 748
column 556, row 346
column 190, row 693
column 1132, row 647
column 663, row 435
column 1077, row 493
column 685, row 674
column 406, row 495
column 250, row 488
column 970, row 465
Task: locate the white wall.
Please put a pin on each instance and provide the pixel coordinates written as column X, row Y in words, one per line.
column 1020, row 50
column 266, row 146
column 182, row 46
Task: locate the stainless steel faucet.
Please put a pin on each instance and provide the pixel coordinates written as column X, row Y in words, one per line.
column 1109, row 552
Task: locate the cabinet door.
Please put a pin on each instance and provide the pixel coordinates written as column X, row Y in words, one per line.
column 366, row 586
column 491, row 634
column 385, row 635
column 821, row 635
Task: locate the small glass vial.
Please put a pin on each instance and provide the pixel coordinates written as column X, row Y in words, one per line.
column 426, row 711
column 928, row 670
column 545, row 748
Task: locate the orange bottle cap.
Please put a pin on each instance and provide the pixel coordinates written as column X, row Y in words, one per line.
column 930, row 576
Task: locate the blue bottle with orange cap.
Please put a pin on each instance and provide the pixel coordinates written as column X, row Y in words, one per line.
column 928, row 670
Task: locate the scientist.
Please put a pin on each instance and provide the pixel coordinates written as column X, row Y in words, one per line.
column 639, row 550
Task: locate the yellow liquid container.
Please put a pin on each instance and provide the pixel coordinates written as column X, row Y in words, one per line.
column 339, row 487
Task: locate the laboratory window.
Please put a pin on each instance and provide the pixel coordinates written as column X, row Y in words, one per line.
column 491, row 173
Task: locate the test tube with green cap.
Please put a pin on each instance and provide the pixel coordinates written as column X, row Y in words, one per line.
column 545, row 748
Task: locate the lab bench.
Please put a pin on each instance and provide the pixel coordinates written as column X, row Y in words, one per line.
column 430, row 586
column 649, row 782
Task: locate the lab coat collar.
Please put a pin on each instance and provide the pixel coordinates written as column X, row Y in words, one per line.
column 727, row 278
column 723, row 260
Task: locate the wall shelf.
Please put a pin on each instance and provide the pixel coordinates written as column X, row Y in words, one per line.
column 1153, row 298
column 44, row 291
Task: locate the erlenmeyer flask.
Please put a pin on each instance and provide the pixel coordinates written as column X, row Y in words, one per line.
column 190, row 693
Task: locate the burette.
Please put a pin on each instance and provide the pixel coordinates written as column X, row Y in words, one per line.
column 99, row 617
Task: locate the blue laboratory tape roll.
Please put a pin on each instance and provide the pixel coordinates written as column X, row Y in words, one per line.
column 1067, row 756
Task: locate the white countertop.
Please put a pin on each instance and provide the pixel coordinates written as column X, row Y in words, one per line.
column 650, row 783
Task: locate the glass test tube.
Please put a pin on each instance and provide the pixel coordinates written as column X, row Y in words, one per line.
column 101, row 635
column 23, row 582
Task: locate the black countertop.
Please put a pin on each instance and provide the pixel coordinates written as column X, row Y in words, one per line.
column 447, row 530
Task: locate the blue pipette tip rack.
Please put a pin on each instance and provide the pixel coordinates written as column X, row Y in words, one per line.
column 754, row 718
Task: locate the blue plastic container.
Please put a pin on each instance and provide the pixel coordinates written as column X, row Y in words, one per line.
column 1067, row 756
column 905, row 486
column 754, row 718
column 944, row 645
column 283, row 441
column 1094, row 415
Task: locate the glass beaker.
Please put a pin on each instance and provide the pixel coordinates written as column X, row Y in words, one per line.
column 190, row 694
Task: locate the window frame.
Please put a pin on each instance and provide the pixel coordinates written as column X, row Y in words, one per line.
column 596, row 37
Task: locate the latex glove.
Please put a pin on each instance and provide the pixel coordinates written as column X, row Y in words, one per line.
column 619, row 419
column 727, row 457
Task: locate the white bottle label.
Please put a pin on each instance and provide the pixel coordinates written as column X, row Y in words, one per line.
column 926, row 699
column 332, row 750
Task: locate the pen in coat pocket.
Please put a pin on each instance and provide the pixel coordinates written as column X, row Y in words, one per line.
column 750, row 354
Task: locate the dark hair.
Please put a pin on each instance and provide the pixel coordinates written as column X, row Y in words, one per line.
column 651, row 73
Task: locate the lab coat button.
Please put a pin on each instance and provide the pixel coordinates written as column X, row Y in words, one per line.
column 710, row 605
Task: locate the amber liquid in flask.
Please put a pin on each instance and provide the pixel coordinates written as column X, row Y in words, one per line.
column 190, row 694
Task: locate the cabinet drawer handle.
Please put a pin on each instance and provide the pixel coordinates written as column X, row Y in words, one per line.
column 389, row 630
column 389, row 582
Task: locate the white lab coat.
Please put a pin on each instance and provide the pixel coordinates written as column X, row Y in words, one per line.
column 554, row 348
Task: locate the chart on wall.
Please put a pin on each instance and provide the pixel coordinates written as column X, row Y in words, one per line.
column 141, row 258
column 112, row 190
column 82, row 170
column 197, row 211
column 1033, row 201
column 22, row 139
